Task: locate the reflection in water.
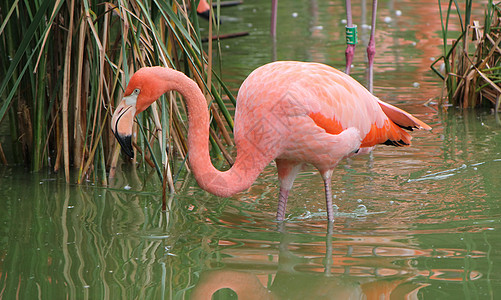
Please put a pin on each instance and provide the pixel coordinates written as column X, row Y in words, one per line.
column 60, row 241
column 337, row 275
column 344, row 263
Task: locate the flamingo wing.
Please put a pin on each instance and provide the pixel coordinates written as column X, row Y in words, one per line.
column 332, row 99
column 337, row 102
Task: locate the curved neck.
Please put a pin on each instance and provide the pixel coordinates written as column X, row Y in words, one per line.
column 247, row 166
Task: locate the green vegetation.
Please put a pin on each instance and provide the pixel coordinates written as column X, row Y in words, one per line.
column 472, row 63
column 65, row 65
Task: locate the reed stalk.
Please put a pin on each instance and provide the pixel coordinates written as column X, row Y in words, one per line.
column 73, row 59
column 472, row 75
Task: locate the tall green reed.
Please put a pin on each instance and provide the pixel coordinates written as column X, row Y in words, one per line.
column 471, row 62
column 65, row 66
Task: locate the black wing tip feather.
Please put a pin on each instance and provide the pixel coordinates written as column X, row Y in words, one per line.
column 399, row 143
column 409, row 128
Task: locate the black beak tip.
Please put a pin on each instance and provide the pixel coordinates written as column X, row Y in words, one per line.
column 126, row 143
column 204, row 14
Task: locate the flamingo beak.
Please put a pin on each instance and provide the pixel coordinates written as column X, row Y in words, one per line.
column 121, row 125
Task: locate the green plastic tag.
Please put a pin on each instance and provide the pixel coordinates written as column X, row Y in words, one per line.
column 351, row 35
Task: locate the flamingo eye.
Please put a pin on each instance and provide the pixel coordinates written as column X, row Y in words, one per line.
column 132, row 98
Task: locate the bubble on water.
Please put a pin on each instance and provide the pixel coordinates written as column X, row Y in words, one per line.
column 361, row 210
column 391, row 201
column 387, row 19
column 295, row 14
column 306, row 215
column 127, row 187
column 359, row 200
column 416, row 84
column 398, row 12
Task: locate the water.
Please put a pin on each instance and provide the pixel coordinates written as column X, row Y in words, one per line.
column 422, row 222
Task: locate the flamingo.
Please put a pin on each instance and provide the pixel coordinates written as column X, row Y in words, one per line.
column 295, row 113
column 351, row 38
column 351, row 41
column 203, row 9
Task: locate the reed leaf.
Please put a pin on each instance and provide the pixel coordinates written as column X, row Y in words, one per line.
column 471, row 61
column 73, row 74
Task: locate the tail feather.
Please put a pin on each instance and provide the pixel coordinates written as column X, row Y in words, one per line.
column 393, row 133
column 402, row 118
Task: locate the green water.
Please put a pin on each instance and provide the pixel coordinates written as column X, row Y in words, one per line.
column 430, row 228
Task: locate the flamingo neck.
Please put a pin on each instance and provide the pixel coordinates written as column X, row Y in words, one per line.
column 224, row 184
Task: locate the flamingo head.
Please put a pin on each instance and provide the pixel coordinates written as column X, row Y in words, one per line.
column 145, row 86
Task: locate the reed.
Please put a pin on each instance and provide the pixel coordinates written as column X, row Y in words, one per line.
column 66, row 65
column 472, row 72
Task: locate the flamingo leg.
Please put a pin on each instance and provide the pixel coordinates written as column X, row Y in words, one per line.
column 282, row 203
column 287, row 172
column 350, row 48
column 326, row 175
column 371, row 47
column 273, row 25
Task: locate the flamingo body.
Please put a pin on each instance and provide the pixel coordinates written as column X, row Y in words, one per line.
column 292, row 112
column 203, row 9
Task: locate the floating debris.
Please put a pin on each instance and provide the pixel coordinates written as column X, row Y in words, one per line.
column 360, row 211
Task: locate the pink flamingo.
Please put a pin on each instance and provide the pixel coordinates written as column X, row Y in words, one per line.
column 203, row 9
column 291, row 112
column 351, row 38
column 351, row 41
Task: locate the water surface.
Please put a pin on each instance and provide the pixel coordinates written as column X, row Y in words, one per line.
column 422, row 222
